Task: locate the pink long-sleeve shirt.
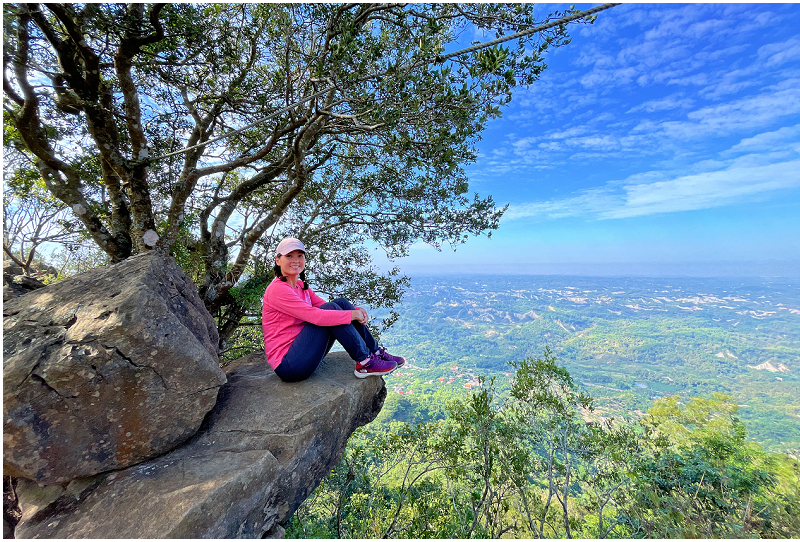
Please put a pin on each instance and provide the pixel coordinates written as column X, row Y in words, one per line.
column 284, row 313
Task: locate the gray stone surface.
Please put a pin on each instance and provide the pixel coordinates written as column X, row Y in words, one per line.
column 17, row 285
column 260, row 452
column 11, row 268
column 105, row 370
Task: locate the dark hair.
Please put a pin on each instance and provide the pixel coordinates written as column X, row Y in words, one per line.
column 278, row 274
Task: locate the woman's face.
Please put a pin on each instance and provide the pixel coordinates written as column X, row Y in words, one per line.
column 292, row 264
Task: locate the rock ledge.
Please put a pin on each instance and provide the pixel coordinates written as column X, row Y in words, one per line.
column 259, row 453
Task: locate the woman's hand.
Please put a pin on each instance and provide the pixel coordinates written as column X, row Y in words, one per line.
column 359, row 315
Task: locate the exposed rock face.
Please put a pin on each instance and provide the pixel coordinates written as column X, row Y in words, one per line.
column 261, row 451
column 769, row 367
column 11, row 268
column 105, row 370
column 17, row 284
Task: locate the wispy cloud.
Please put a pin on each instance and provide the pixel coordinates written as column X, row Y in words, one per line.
column 705, row 190
column 748, row 113
column 675, row 101
column 683, row 127
column 728, row 88
column 635, row 197
column 692, row 96
column 774, row 54
column 787, row 137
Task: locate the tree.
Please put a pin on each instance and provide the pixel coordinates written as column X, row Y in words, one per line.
column 31, row 216
column 614, row 451
column 385, row 485
column 549, row 406
column 482, row 441
column 703, row 478
column 215, row 129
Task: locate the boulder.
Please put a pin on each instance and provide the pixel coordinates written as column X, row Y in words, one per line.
column 105, row 369
column 42, row 269
column 11, row 268
column 260, row 452
column 17, row 285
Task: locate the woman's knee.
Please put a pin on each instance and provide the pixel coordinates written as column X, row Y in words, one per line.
column 294, row 375
column 344, row 304
column 331, row 306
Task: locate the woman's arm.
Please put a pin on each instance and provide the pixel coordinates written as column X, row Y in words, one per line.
column 359, row 314
column 281, row 298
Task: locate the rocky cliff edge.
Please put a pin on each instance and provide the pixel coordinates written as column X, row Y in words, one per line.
column 259, row 453
column 119, row 423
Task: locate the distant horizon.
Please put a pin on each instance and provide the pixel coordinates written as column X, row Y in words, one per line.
column 786, row 269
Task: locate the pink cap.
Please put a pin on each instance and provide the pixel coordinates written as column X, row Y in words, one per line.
column 289, row 244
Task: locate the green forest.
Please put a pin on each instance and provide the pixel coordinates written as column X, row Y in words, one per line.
column 537, row 462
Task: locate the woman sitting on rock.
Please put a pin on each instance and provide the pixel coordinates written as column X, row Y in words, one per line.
column 300, row 327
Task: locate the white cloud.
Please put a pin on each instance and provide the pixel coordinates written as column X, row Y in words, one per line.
column 705, row 190
column 568, row 133
column 774, row 54
column 641, row 196
column 751, row 111
column 598, row 78
column 695, row 79
column 786, row 137
column 675, row 101
column 524, row 143
column 747, row 113
column 589, row 202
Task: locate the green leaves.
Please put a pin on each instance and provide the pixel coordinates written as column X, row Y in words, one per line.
column 540, row 384
column 703, row 473
column 535, row 465
column 491, row 59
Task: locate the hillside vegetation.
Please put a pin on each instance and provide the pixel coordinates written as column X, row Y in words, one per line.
column 538, row 462
column 628, row 341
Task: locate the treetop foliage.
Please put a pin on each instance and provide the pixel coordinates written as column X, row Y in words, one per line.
column 529, row 464
column 120, row 106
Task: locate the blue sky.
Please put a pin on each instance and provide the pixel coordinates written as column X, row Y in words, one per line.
column 664, row 140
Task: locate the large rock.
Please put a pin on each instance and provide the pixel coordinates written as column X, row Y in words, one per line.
column 11, row 268
column 105, row 370
column 18, row 285
column 261, row 451
column 15, row 283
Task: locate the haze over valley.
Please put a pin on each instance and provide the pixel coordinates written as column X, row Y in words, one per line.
column 627, row 340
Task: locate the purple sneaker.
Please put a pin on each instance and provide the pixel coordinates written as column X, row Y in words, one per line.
column 388, row 357
column 374, row 365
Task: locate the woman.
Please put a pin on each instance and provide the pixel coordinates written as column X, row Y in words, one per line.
column 300, row 327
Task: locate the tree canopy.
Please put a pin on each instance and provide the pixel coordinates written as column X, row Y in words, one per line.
column 147, row 120
column 539, row 460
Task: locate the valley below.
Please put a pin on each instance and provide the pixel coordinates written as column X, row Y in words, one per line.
column 628, row 341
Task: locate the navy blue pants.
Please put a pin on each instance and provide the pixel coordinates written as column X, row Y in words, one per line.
column 314, row 342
